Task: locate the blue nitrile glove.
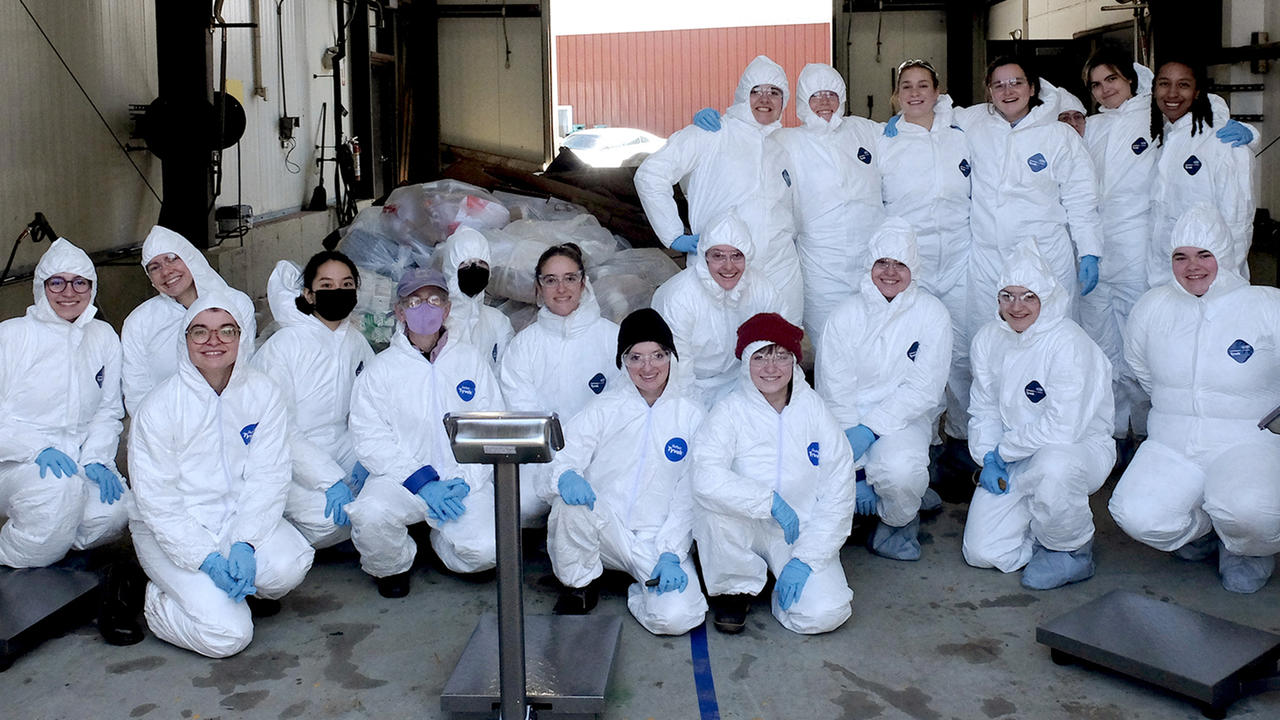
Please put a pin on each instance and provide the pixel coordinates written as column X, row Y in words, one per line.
column 442, row 499
column 866, row 498
column 57, row 461
column 217, row 568
column 669, row 574
column 787, row 519
column 575, row 490
column 685, row 244
column 891, row 127
column 993, row 469
column 1088, row 274
column 243, row 567
column 335, row 500
column 708, row 119
column 1234, row 134
column 109, row 485
column 358, row 475
column 791, row 582
column 860, row 439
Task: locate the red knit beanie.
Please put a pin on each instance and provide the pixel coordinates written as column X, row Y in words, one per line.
column 770, row 327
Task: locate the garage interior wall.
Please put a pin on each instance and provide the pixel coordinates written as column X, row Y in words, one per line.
column 902, row 35
column 494, row 83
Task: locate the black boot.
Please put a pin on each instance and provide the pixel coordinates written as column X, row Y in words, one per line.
column 121, row 601
column 577, row 601
column 730, row 612
column 394, row 586
column 262, row 607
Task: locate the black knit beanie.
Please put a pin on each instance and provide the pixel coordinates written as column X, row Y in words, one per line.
column 644, row 325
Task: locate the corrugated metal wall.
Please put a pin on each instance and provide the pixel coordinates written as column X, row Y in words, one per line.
column 657, row 80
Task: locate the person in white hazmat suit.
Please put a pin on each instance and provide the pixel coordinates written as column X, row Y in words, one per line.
column 1032, row 180
column 561, row 361
column 1195, row 166
column 60, row 425
column 739, row 167
column 151, row 335
column 621, row 496
column 835, row 175
column 1041, row 411
column 925, row 168
column 209, row 456
column 1070, row 111
column 720, row 288
column 397, row 411
column 771, row 478
column 882, row 368
column 466, row 269
column 1205, row 347
column 315, row 358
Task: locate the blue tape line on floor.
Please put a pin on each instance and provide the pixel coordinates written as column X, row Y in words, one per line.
column 702, row 679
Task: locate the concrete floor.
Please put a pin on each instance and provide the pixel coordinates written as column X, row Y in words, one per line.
column 928, row 640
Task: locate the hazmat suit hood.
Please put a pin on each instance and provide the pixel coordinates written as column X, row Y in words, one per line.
column 216, row 299
column 162, row 240
column 1027, row 268
column 814, row 78
column 575, row 322
column 1140, row 98
column 283, row 288
column 760, row 71
column 1068, row 102
column 1202, row 226
column 63, row 257
column 748, row 386
column 895, row 239
column 464, row 245
column 727, row 229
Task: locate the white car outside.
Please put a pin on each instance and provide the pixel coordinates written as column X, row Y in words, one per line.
column 612, row 147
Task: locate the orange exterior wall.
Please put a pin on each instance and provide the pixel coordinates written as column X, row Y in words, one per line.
column 656, row 81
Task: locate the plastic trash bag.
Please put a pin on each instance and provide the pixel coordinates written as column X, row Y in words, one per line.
column 428, row 213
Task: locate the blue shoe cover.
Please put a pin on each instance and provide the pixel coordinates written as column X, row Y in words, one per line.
column 1049, row 569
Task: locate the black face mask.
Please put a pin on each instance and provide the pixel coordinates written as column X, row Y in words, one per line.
column 335, row 305
column 473, row 279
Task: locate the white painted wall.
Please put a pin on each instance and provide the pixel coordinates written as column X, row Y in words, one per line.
column 577, row 17
column 903, row 35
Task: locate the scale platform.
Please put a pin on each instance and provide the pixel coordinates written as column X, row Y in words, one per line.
column 569, row 658
column 39, row 603
column 1211, row 661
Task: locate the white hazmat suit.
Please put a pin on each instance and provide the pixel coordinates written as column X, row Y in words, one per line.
column 150, row 337
column 59, row 388
column 925, row 180
column 835, row 174
column 883, row 364
column 704, row 317
column 741, row 168
column 470, row 319
column 558, row 364
column 1212, row 366
column 210, row 470
column 397, row 412
column 1042, row 398
column 743, row 453
column 315, row 369
column 635, row 457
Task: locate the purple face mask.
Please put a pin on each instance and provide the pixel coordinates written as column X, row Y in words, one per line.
column 425, row 319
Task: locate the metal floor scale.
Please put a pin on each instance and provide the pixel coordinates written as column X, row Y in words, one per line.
column 524, row 666
column 1211, row 661
column 39, row 603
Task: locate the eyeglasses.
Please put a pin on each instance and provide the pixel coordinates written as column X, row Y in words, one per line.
column 1006, row 298
column 720, row 256
column 414, row 301
column 825, row 96
column 657, row 357
column 549, row 281
column 1013, row 84
column 58, row 284
column 161, row 262
column 770, row 90
column 777, row 356
column 889, row 264
column 201, row 335
column 916, row 62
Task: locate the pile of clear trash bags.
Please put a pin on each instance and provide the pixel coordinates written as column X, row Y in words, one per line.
column 405, row 232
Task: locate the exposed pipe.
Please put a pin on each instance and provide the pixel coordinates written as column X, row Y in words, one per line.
column 259, row 89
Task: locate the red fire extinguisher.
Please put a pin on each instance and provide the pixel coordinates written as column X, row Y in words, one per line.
column 355, row 156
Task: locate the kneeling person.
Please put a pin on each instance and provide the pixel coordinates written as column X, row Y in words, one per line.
column 622, row 497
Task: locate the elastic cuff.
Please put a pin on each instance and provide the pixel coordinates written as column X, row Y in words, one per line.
column 420, row 478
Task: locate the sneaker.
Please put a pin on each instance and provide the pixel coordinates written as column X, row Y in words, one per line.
column 731, row 612
column 577, row 601
column 1244, row 573
column 262, row 607
column 394, row 586
column 1050, row 569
